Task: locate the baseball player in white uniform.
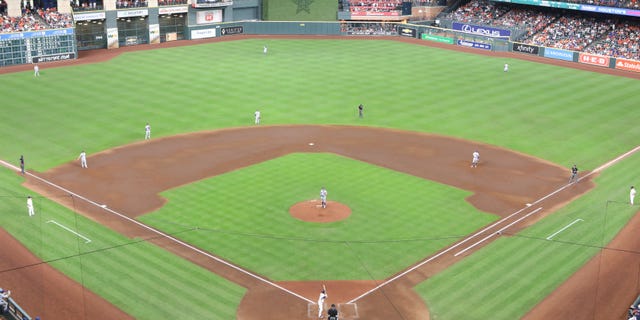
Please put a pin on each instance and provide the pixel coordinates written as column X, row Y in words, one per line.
column 147, row 132
column 257, row 116
column 476, row 159
column 36, row 70
column 323, row 197
column 632, row 195
column 30, row 206
column 506, row 67
column 323, row 296
column 83, row 159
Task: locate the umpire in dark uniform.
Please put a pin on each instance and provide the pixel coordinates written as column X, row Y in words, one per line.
column 333, row 312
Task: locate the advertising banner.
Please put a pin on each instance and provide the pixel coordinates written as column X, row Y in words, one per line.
column 431, row 37
column 407, row 32
column 375, row 14
column 172, row 10
column 154, row 33
column 558, row 54
column 133, row 13
column 480, row 30
column 112, row 38
column 473, row 44
column 89, row 16
column 226, row 31
column 36, row 34
column 628, row 65
column 593, row 59
column 208, row 16
column 55, row 57
column 525, row 48
column 203, row 33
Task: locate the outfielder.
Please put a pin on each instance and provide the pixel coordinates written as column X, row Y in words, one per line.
column 323, row 296
column 257, row 117
column 147, row 132
column 476, row 159
column 632, row 195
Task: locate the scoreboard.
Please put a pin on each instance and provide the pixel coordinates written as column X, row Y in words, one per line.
column 37, row 46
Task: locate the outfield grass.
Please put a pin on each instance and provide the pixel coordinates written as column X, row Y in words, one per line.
column 562, row 115
column 515, row 271
column 115, row 267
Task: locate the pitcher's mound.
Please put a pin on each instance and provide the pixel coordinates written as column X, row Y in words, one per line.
column 312, row 211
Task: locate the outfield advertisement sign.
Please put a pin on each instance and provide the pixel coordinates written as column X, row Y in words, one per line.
column 593, row 59
column 431, row 37
column 375, row 14
column 89, row 16
column 203, row 33
column 475, row 45
column 55, row 57
column 407, row 32
column 209, row 16
column 481, row 30
column 628, row 65
column 525, row 48
column 231, row 30
column 558, row 54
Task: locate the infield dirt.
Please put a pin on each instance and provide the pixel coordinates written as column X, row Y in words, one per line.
column 438, row 158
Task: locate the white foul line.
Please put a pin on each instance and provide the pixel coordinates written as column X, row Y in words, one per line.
column 86, row 240
column 499, row 231
column 160, row 233
column 567, row 226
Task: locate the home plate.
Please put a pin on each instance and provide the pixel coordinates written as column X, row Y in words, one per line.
column 311, row 143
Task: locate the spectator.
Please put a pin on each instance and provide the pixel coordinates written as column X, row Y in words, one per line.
column 4, row 297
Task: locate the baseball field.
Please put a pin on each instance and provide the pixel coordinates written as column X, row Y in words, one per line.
column 198, row 222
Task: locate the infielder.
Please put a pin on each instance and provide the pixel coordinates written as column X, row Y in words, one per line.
column 574, row 174
column 22, row 164
column 83, row 159
column 632, row 195
column 476, row 159
column 147, row 132
column 30, row 206
column 257, row 117
column 323, row 197
column 323, row 296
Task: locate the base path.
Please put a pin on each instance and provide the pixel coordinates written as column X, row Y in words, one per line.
column 130, row 183
column 394, row 301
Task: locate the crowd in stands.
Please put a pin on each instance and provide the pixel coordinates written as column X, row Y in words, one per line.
column 562, row 29
column 622, row 42
column 35, row 20
column 3, row 7
column 123, row 4
column 86, row 5
column 369, row 28
column 631, row 4
column 55, row 19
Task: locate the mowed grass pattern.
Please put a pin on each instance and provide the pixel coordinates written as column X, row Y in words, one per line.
column 130, row 273
column 562, row 115
column 396, row 219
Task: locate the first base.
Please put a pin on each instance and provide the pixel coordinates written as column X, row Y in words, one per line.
column 311, row 143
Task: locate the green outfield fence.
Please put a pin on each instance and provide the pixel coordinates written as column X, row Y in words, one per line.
column 481, row 38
